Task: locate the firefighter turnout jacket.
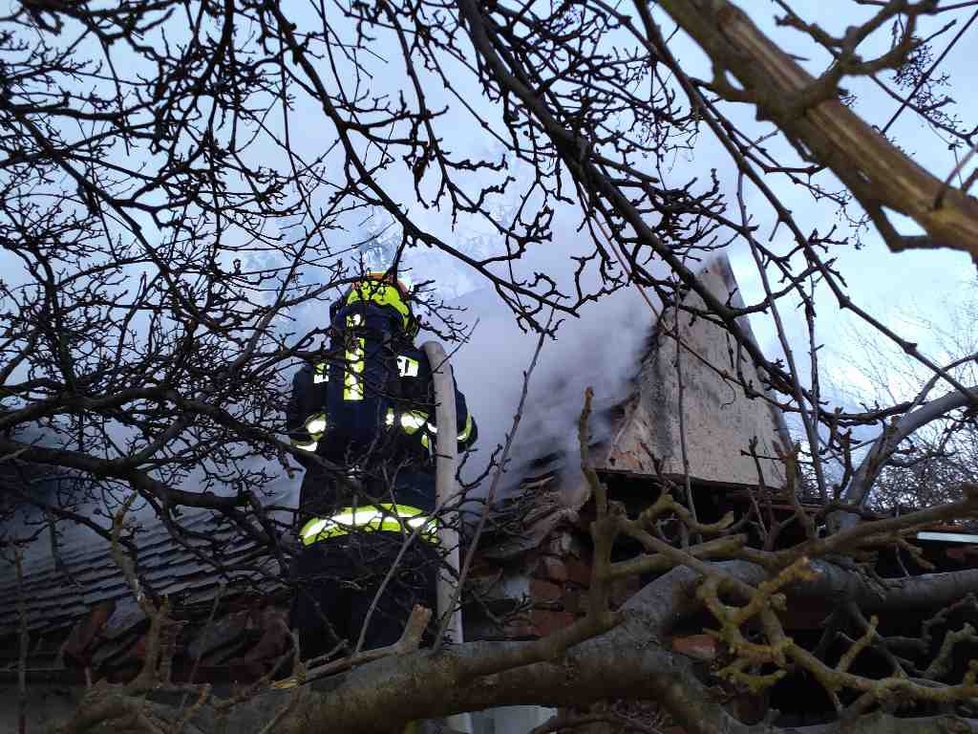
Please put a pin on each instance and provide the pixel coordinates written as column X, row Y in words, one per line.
column 369, row 405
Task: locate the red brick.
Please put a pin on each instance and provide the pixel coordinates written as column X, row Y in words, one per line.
column 546, row 622
column 578, row 572
column 957, row 554
column 517, row 630
column 518, row 625
column 552, row 568
column 274, row 640
column 700, row 647
column 544, row 591
column 86, row 630
column 138, row 650
column 575, row 600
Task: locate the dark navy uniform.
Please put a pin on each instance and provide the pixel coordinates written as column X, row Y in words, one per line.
column 368, row 406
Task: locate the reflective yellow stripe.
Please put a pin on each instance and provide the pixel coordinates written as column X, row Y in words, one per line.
column 353, row 379
column 383, row 294
column 410, row 422
column 307, row 446
column 386, row 517
column 467, row 431
column 407, row 367
column 464, row 435
column 316, row 424
column 321, row 373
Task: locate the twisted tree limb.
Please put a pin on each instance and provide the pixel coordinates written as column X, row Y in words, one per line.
column 629, row 660
column 883, row 448
column 877, row 172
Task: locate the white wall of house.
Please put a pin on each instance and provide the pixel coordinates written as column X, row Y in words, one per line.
column 510, row 719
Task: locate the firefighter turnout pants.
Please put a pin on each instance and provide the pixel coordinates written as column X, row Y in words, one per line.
column 338, row 577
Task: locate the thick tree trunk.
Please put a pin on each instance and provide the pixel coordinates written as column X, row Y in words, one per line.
column 632, row 660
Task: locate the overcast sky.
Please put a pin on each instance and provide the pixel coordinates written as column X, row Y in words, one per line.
column 896, row 287
column 603, row 347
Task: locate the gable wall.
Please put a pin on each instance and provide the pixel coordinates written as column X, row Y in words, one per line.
column 719, row 419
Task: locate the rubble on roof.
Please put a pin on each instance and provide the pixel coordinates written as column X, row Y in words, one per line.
column 524, row 520
column 719, row 420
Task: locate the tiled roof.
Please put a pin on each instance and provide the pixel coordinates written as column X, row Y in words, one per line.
column 60, row 590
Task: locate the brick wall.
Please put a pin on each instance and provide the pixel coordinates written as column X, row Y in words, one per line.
column 551, row 587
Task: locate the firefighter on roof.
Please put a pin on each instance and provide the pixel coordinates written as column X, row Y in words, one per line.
column 370, row 408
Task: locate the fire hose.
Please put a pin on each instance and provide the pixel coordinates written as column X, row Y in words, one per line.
column 446, row 495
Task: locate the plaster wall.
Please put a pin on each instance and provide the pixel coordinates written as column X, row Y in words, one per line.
column 720, row 420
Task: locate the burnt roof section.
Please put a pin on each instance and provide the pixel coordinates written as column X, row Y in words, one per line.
column 639, row 436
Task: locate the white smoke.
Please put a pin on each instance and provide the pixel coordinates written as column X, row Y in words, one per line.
column 601, row 349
